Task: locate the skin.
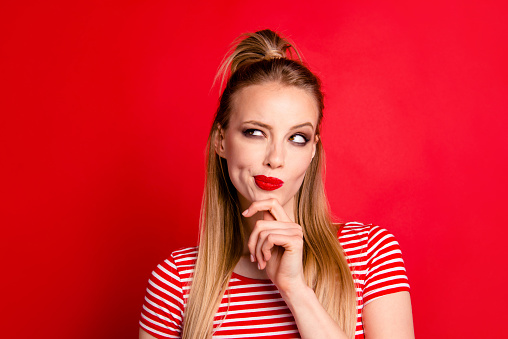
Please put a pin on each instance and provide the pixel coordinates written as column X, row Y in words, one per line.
column 272, row 132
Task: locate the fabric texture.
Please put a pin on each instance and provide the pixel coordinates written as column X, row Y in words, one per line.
column 253, row 308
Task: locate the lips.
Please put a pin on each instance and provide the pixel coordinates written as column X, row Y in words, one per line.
column 268, row 183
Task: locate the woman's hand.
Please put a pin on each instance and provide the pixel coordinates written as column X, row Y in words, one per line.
column 276, row 243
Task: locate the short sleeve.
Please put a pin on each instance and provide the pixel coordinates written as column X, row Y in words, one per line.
column 163, row 307
column 385, row 271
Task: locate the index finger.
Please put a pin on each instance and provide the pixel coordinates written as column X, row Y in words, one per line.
column 270, row 205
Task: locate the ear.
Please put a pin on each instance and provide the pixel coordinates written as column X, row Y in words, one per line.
column 219, row 141
column 314, row 146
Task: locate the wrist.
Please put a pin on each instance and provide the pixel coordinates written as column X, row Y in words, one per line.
column 296, row 294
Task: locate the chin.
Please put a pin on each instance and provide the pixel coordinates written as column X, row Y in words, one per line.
column 281, row 198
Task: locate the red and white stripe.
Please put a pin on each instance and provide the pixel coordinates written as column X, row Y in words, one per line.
column 253, row 308
column 375, row 260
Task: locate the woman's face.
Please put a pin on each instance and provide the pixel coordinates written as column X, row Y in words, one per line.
column 270, row 142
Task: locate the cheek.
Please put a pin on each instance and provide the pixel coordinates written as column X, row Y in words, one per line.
column 235, row 156
column 299, row 163
column 297, row 169
column 241, row 154
column 240, row 158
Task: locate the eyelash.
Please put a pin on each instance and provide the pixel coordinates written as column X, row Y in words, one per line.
column 250, row 134
column 306, row 140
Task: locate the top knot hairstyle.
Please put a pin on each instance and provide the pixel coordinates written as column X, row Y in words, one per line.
column 250, row 48
column 255, row 59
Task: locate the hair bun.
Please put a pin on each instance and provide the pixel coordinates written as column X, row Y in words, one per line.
column 254, row 47
column 261, row 45
column 273, row 54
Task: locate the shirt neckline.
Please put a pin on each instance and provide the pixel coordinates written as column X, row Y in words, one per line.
column 244, row 278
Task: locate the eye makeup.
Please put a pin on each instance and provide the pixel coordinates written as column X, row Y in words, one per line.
column 252, row 133
column 298, row 139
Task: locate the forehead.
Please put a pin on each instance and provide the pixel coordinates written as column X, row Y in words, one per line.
column 274, row 104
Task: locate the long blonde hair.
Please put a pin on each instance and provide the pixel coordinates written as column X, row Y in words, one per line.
column 258, row 58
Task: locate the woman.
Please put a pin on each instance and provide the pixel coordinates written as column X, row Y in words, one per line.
column 268, row 262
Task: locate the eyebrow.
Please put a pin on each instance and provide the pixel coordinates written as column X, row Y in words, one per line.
column 254, row 122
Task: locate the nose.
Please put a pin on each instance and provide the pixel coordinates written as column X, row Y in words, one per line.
column 274, row 155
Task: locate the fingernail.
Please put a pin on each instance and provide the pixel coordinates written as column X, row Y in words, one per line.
column 252, row 258
column 245, row 212
column 259, row 266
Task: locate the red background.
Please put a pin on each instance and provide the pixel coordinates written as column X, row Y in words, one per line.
column 105, row 110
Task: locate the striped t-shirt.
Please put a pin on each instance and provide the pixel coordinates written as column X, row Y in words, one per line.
column 253, row 308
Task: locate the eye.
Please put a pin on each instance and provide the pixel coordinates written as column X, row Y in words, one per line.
column 251, row 132
column 299, row 139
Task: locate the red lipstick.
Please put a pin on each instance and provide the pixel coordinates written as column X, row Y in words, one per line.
column 268, row 183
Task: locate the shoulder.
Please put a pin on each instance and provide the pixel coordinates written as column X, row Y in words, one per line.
column 355, row 228
column 375, row 258
column 166, row 294
column 368, row 243
column 177, row 268
column 181, row 260
column 356, row 234
column 184, row 256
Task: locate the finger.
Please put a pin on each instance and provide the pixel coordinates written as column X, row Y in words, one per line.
column 268, row 205
column 273, row 226
column 273, row 240
column 263, row 246
column 254, row 236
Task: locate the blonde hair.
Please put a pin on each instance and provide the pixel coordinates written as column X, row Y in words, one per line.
column 257, row 58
